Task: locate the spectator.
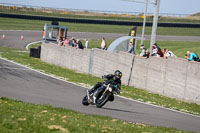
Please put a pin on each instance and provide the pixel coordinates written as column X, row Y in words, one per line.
column 103, row 44
column 43, row 34
column 146, row 53
column 168, row 53
column 73, row 42
column 66, row 42
column 156, row 51
column 87, row 45
column 142, row 50
column 79, row 44
column 131, row 48
column 160, row 53
column 192, row 56
column 60, row 41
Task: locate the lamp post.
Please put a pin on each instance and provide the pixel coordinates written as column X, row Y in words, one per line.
column 155, row 20
column 155, row 23
column 144, row 22
column 145, row 13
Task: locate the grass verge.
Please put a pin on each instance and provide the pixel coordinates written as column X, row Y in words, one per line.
column 92, row 15
column 17, row 116
column 89, row 80
column 23, row 24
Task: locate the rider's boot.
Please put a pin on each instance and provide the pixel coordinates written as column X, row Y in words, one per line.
column 90, row 93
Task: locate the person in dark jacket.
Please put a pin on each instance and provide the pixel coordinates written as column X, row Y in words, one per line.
column 112, row 79
column 79, row 44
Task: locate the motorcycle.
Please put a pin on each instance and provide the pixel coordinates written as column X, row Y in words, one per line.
column 101, row 96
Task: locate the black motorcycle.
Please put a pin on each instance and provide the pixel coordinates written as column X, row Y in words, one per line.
column 101, row 96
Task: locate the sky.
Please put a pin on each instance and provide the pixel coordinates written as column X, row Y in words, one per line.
column 166, row 6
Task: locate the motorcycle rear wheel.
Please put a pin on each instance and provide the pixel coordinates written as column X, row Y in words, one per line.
column 85, row 101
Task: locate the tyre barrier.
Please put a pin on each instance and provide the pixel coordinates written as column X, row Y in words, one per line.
column 35, row 52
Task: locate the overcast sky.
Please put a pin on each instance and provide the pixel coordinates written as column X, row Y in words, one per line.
column 167, row 6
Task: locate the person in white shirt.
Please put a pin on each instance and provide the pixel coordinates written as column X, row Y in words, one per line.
column 87, row 45
column 168, row 53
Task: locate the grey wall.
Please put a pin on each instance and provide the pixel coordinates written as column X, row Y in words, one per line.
column 67, row 57
column 174, row 77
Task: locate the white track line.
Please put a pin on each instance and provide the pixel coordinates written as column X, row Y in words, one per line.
column 23, row 30
column 31, row 44
column 86, row 88
column 14, row 68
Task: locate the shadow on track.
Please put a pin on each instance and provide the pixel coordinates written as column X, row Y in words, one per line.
column 118, row 110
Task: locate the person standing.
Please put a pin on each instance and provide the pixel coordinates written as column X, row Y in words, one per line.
column 103, row 44
column 87, row 45
column 43, row 34
column 131, row 48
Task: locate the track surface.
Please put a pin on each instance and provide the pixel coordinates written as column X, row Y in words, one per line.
column 27, row 85
column 21, row 83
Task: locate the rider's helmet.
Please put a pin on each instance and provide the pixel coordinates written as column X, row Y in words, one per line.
column 118, row 74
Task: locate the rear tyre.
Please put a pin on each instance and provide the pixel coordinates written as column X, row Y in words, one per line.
column 85, row 101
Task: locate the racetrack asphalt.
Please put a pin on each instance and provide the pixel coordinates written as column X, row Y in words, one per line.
column 21, row 83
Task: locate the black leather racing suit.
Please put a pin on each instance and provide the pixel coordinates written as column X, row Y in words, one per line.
column 110, row 78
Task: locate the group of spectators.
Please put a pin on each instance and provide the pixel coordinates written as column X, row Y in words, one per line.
column 156, row 51
column 76, row 43
column 165, row 53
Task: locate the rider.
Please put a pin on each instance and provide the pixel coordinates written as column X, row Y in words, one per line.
column 113, row 79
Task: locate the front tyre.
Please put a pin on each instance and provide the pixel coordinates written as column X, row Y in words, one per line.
column 85, row 101
column 102, row 100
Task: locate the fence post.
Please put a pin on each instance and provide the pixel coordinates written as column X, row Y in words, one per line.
column 91, row 61
column 131, row 70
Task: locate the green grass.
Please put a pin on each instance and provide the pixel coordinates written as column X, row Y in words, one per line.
column 179, row 48
column 20, row 117
column 22, row 24
column 89, row 80
column 88, row 15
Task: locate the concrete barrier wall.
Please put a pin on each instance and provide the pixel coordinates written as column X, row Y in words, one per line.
column 105, row 62
column 174, row 77
column 192, row 88
column 75, row 59
column 175, row 81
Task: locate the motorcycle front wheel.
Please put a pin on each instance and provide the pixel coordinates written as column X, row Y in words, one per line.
column 102, row 100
